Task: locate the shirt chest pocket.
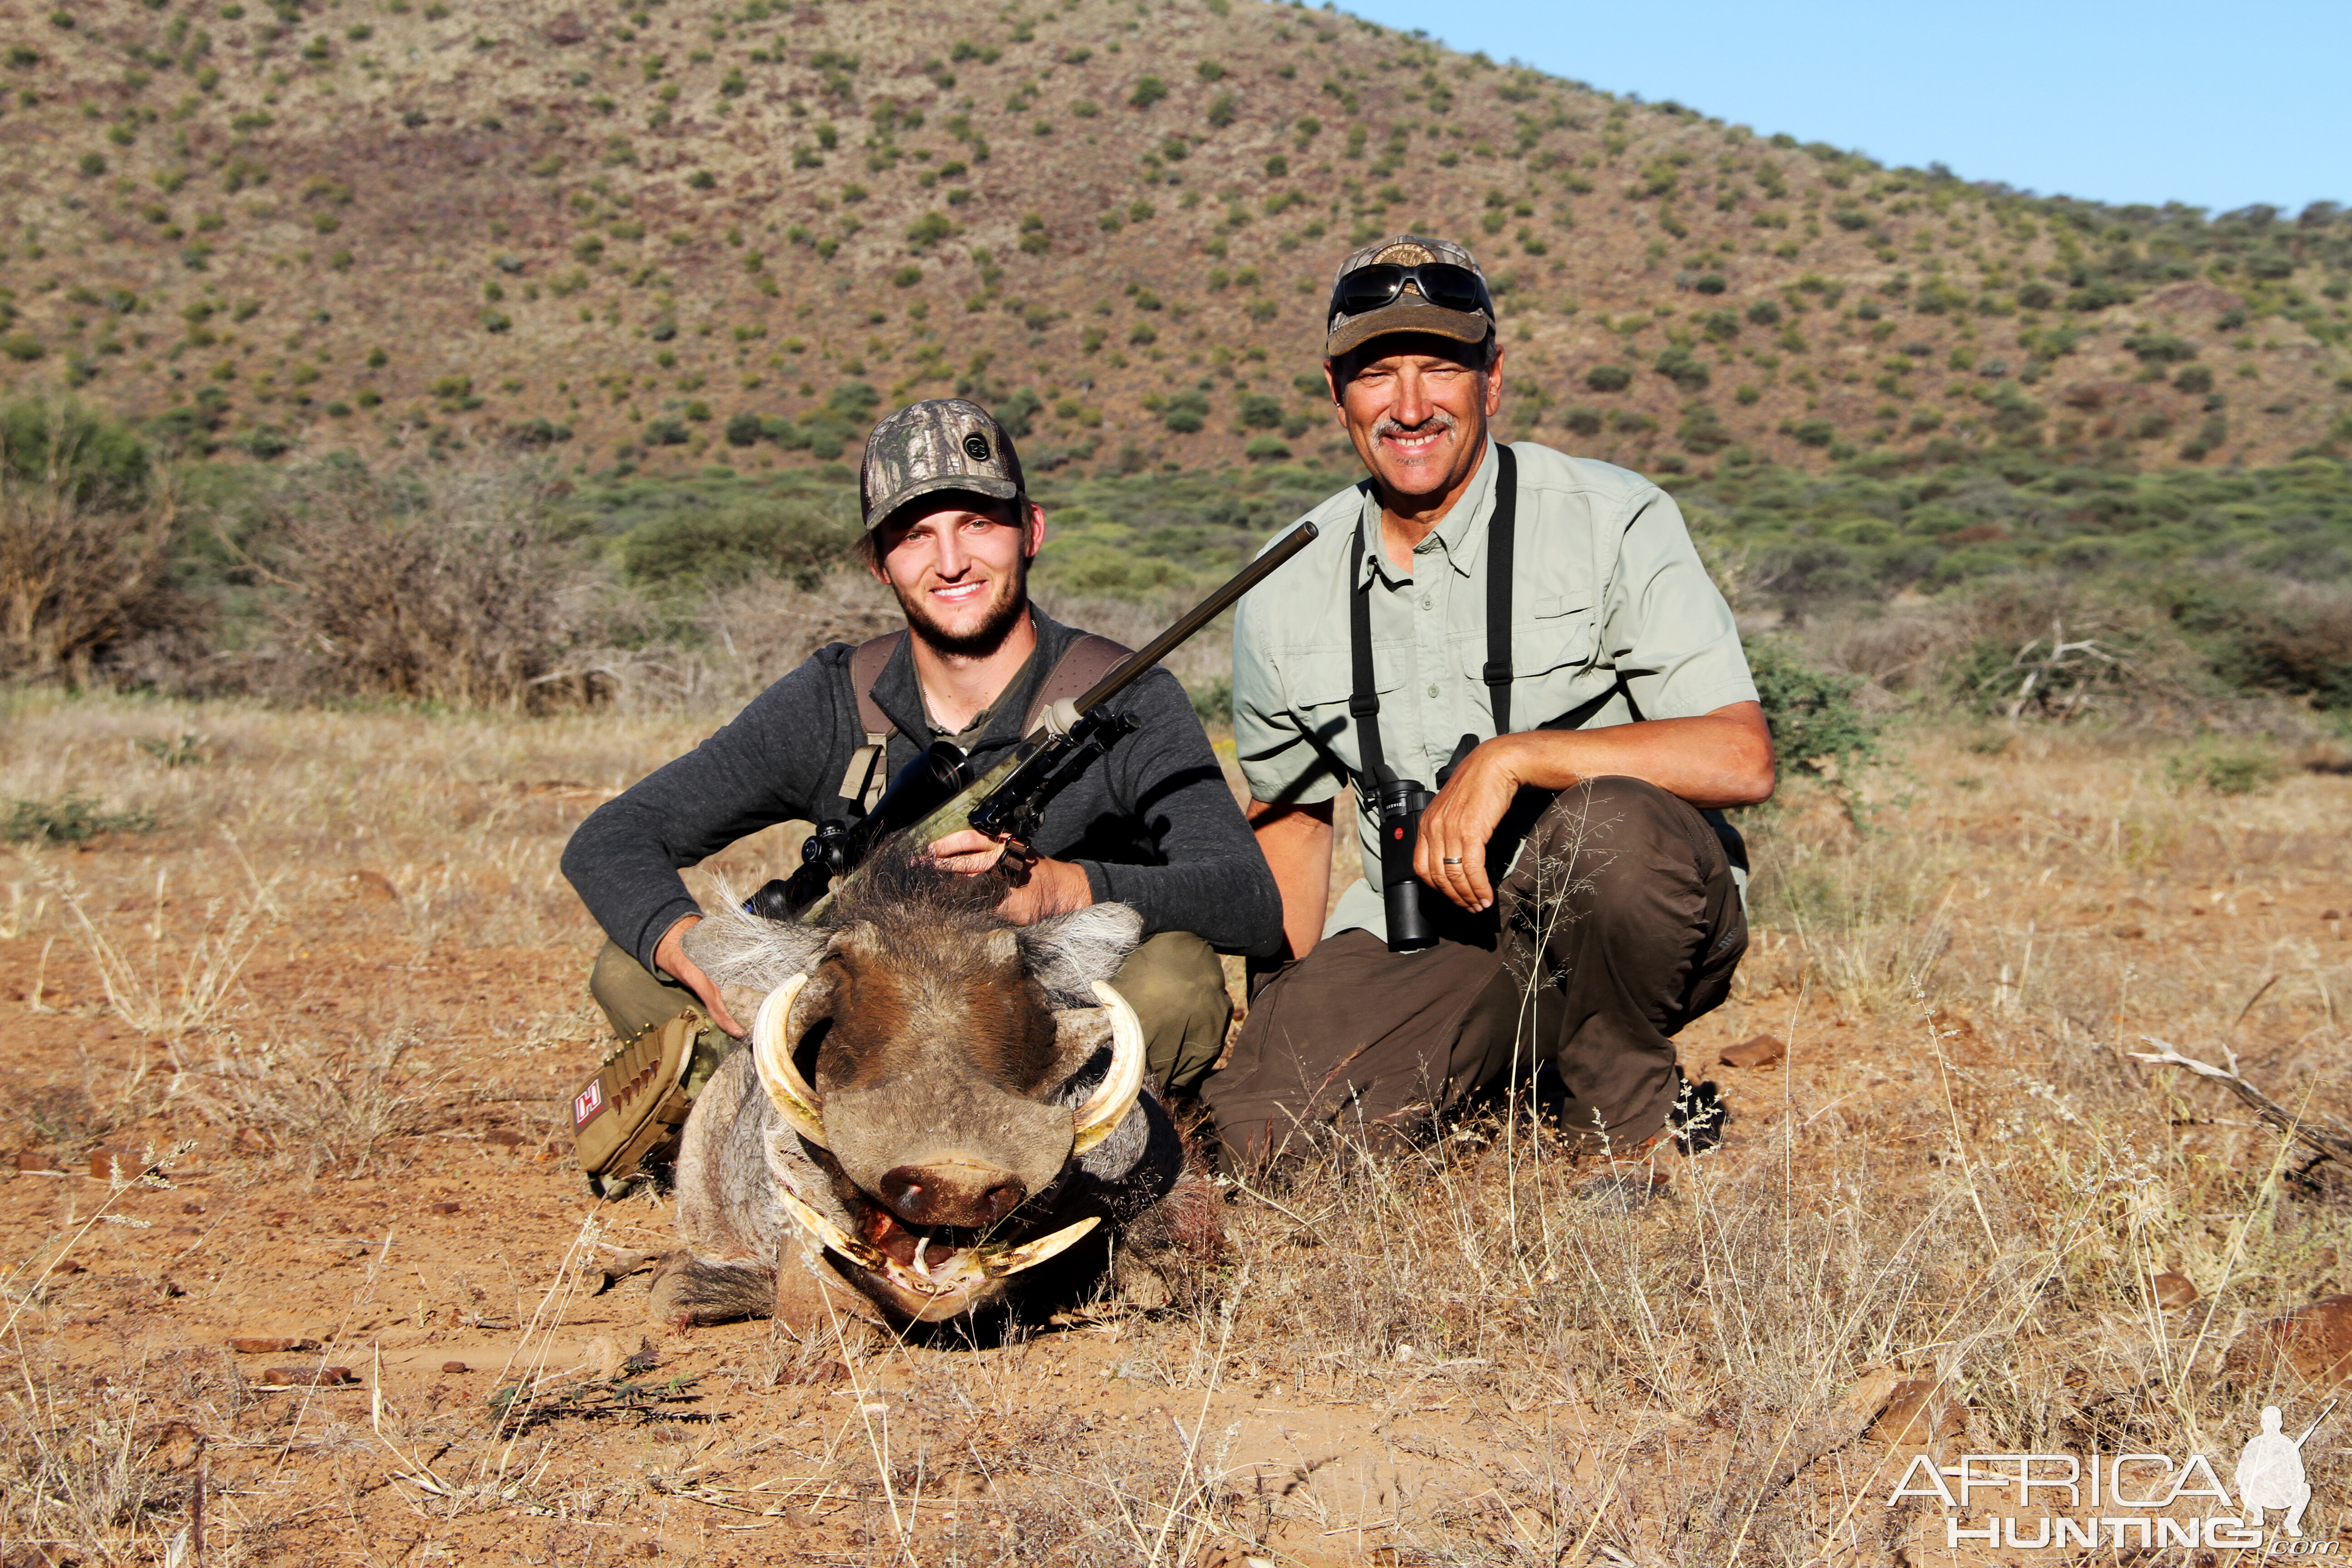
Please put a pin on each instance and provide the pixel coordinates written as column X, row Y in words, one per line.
column 1554, row 636
column 1323, row 679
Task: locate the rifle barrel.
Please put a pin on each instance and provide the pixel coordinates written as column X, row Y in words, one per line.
column 1199, row 616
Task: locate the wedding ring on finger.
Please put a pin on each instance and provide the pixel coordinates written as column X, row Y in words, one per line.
column 1449, row 861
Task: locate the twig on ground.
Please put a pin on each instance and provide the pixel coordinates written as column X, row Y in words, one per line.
column 2329, row 1142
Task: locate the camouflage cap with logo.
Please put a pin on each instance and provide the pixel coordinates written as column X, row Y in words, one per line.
column 1409, row 312
column 939, row 444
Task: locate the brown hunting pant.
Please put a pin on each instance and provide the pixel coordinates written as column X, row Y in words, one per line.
column 1619, row 923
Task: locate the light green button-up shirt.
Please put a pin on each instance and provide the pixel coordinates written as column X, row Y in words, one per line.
column 1606, row 586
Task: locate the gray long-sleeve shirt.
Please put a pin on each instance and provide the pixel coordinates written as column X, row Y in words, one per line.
column 1152, row 822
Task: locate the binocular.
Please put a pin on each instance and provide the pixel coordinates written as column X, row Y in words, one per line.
column 1410, row 927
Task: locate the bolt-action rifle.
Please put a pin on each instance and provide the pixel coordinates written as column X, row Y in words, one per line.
column 938, row 793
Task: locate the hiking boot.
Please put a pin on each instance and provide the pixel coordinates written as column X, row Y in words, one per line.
column 639, row 1098
column 1698, row 1117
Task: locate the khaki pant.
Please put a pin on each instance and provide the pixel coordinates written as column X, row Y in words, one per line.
column 1619, row 923
column 1172, row 980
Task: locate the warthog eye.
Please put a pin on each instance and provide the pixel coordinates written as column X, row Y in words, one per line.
column 812, row 1045
column 1087, row 1078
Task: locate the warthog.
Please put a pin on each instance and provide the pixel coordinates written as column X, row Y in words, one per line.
column 932, row 1103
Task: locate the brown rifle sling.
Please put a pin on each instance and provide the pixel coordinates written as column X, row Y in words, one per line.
column 1085, row 661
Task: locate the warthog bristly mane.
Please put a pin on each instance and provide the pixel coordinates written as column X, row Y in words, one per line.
column 898, row 889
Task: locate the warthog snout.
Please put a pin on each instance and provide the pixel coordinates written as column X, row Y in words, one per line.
column 951, row 1192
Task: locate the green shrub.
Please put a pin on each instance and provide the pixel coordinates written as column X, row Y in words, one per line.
column 1608, row 378
column 1223, row 109
column 853, row 399
column 1710, row 283
column 1016, row 411
column 715, row 546
column 1214, row 701
column 1816, row 728
column 1814, row 432
column 1266, row 449
column 1683, row 368
column 98, row 460
column 2159, row 348
column 1703, row 431
column 1583, row 421
column 2225, row 770
column 1764, row 313
column 1148, row 90
column 745, row 429
column 1185, row 412
column 75, row 819
column 2197, row 379
column 1258, row 411
column 536, row 434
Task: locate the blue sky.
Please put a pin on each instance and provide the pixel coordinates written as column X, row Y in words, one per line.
column 2216, row 106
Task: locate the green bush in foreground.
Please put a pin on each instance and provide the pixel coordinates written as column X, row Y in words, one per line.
column 1816, row 728
column 76, row 819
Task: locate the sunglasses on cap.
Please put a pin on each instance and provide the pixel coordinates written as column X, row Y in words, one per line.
column 1441, row 283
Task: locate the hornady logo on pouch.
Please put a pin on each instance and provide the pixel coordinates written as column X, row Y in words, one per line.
column 2064, row 1501
column 589, row 1101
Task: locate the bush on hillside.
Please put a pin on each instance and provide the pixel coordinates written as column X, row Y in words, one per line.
column 716, row 547
column 88, row 540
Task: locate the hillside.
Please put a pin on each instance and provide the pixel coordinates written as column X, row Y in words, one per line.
column 673, row 234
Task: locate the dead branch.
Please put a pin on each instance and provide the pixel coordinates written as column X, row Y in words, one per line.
column 2328, row 1140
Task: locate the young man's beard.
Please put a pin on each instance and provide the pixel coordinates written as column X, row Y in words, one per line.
column 983, row 639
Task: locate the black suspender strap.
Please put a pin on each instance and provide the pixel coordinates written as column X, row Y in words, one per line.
column 1500, row 530
column 1363, row 703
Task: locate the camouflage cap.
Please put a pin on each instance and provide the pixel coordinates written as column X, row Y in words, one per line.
column 1410, row 313
column 939, row 444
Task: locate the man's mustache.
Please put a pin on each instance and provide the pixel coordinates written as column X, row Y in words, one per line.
column 1439, row 419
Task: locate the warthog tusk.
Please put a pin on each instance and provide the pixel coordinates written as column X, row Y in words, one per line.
column 952, row 1283
column 771, row 1052
column 1109, row 1105
column 1029, row 1253
column 920, row 1267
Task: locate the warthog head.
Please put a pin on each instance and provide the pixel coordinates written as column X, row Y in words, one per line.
column 943, row 1070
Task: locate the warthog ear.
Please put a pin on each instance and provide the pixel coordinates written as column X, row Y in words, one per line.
column 1069, row 952
column 737, row 949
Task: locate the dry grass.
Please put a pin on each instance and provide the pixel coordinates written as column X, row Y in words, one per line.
column 1478, row 1354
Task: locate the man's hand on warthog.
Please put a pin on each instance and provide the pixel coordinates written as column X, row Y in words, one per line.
column 1042, row 887
column 669, row 958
